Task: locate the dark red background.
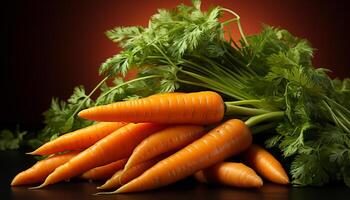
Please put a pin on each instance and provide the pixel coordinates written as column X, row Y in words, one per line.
column 51, row 46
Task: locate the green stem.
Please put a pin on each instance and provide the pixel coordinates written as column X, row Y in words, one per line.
column 125, row 83
column 238, row 23
column 344, row 120
column 229, row 21
column 337, row 104
column 334, row 118
column 264, row 117
column 252, row 102
column 205, row 86
column 165, row 56
column 215, row 84
column 240, row 110
column 88, row 96
column 262, row 128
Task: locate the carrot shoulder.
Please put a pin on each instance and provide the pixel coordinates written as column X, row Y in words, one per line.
column 40, row 170
column 174, row 137
column 79, row 139
column 188, row 108
column 228, row 139
column 104, row 172
column 231, row 174
column 265, row 164
column 113, row 147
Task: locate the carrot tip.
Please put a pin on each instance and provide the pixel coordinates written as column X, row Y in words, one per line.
column 100, row 187
column 31, row 153
column 13, row 183
column 103, row 193
column 81, row 114
column 37, row 187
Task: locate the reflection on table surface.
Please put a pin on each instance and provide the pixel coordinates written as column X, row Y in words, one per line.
column 187, row 189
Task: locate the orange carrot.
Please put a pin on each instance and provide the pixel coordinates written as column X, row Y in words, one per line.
column 125, row 175
column 191, row 108
column 113, row 147
column 171, row 138
column 265, row 164
column 104, row 172
column 79, row 139
column 40, row 170
column 228, row 139
column 230, row 173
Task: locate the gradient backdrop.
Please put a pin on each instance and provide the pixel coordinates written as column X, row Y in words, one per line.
column 51, row 46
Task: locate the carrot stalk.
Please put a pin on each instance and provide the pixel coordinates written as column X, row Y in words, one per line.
column 265, row 164
column 79, row 139
column 104, row 172
column 175, row 137
column 231, row 174
column 41, row 169
column 124, row 176
column 113, row 147
column 181, row 108
column 228, row 139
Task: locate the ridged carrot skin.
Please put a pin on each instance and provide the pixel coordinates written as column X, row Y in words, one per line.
column 188, row 108
column 174, row 137
column 104, row 172
column 41, row 169
column 265, row 164
column 231, row 174
column 113, row 147
column 79, row 139
column 125, row 175
column 228, row 139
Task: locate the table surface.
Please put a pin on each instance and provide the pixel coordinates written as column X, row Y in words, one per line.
column 13, row 162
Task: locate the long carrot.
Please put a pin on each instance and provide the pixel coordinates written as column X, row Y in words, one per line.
column 104, row 172
column 41, row 169
column 191, row 108
column 265, row 164
column 228, row 139
column 113, row 147
column 230, row 173
column 171, row 138
column 79, row 139
column 125, row 175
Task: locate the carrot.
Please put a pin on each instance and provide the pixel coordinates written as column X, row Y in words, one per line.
column 192, row 108
column 113, row 147
column 228, row 139
column 104, row 172
column 125, row 175
column 41, row 169
column 79, row 139
column 230, row 173
column 171, row 138
column 265, row 164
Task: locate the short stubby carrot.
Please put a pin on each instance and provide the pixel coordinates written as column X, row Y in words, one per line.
column 228, row 139
column 104, row 172
column 171, row 138
column 79, row 139
column 265, row 164
column 113, row 147
column 125, row 175
column 40, row 170
column 231, row 174
column 180, row 108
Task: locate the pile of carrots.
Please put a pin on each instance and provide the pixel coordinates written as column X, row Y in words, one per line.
column 148, row 143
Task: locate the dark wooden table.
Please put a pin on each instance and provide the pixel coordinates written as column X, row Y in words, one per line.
column 13, row 162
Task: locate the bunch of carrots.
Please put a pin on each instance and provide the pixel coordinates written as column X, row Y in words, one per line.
column 148, row 143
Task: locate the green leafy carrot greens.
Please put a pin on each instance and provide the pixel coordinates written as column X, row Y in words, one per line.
column 267, row 79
